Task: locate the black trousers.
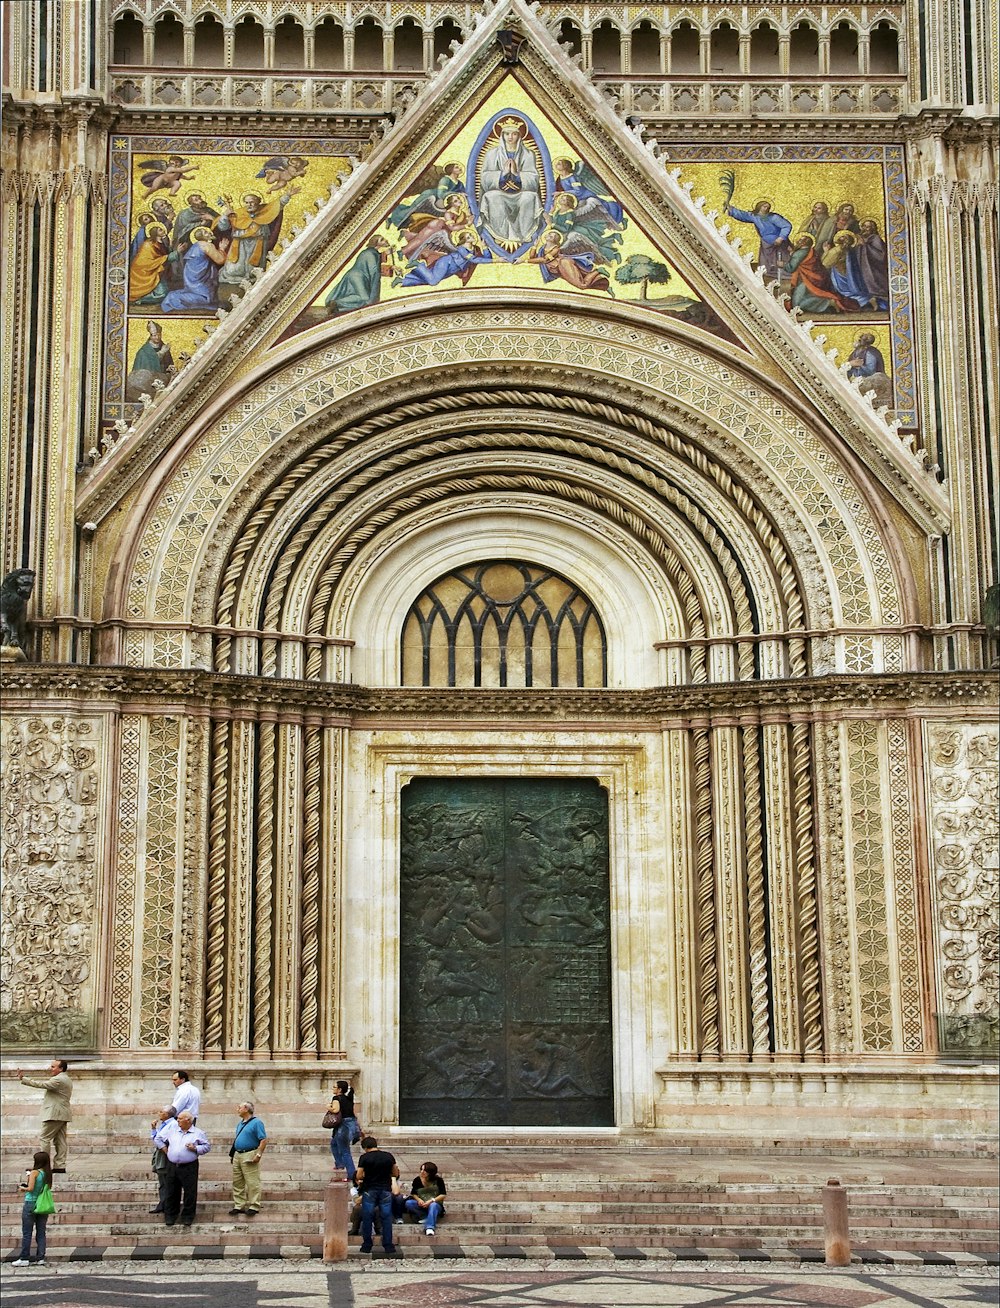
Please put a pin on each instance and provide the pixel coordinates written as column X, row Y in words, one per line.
column 182, row 1180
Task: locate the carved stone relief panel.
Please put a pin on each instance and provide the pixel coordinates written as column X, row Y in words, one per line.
column 963, row 776
column 123, row 948
column 160, row 890
column 53, row 817
column 866, row 847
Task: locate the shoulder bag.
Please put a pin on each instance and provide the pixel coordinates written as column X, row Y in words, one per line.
column 333, row 1117
column 45, row 1204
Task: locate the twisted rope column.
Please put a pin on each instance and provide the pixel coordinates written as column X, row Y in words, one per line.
column 215, row 970
column 706, row 947
column 760, row 1023
column 309, row 928
column 805, row 891
column 264, row 898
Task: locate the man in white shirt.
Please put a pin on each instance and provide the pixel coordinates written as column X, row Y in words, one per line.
column 187, row 1097
column 183, row 1144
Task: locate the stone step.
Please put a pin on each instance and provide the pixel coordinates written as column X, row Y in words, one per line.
column 93, row 1134
column 706, row 1237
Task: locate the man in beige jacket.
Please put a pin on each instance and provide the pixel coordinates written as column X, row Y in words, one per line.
column 56, row 1111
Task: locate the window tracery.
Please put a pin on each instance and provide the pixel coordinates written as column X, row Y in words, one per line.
column 501, row 624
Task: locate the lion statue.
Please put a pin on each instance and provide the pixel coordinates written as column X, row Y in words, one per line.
column 15, row 591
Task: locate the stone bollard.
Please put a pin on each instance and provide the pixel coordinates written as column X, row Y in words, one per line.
column 335, row 1218
column 836, row 1236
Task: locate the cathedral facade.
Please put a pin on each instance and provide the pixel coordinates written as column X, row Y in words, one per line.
column 511, row 494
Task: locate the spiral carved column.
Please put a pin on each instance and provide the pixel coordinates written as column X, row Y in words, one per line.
column 706, row 949
column 309, row 957
column 805, row 892
column 760, row 1022
column 218, row 849
column 263, row 899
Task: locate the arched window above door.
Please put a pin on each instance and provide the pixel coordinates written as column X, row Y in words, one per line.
column 501, row 623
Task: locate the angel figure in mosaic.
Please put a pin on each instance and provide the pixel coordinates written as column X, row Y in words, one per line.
column 282, row 169
column 568, row 215
column 594, row 199
column 446, row 255
column 166, row 174
column 574, row 259
column 430, row 195
column 422, row 225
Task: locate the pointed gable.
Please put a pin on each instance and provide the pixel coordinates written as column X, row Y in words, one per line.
column 511, row 202
column 511, row 67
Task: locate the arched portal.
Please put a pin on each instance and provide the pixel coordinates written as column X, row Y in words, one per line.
column 728, row 544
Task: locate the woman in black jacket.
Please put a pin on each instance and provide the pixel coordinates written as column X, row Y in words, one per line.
column 348, row 1131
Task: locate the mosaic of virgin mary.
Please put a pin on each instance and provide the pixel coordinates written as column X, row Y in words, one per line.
column 509, row 184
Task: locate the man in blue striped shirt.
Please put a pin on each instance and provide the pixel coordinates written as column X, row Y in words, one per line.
column 185, row 1144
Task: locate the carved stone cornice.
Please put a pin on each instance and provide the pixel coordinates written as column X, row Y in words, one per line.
column 53, row 186
column 199, row 692
column 356, row 125
column 62, row 112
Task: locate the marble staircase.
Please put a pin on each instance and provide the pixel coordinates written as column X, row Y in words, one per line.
column 535, row 1198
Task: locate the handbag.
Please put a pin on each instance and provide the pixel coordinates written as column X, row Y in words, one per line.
column 45, row 1204
column 333, row 1117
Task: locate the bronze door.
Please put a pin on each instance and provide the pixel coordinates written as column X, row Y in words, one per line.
column 505, row 956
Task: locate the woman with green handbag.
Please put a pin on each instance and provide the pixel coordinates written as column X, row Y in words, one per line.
column 35, row 1211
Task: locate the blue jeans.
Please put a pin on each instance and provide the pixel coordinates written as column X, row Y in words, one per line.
column 30, row 1221
column 340, row 1147
column 382, row 1200
column 432, row 1213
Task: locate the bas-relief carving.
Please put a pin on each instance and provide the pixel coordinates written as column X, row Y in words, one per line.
column 52, row 844
column 159, row 883
column 962, row 798
column 871, row 932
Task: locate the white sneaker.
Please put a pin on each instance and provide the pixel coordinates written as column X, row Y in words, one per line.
column 20, row 1262
column 40, row 1262
column 430, row 1231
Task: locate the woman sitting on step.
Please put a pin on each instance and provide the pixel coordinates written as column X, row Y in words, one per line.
column 426, row 1193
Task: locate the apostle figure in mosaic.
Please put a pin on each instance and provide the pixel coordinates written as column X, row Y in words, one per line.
column 840, row 259
column 811, row 290
column 361, row 284
column 200, row 263
column 773, row 230
column 146, row 270
column 819, row 224
column 867, row 365
column 197, row 212
column 873, row 263
column 252, row 232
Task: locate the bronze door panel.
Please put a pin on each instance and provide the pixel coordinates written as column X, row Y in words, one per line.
column 505, row 960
